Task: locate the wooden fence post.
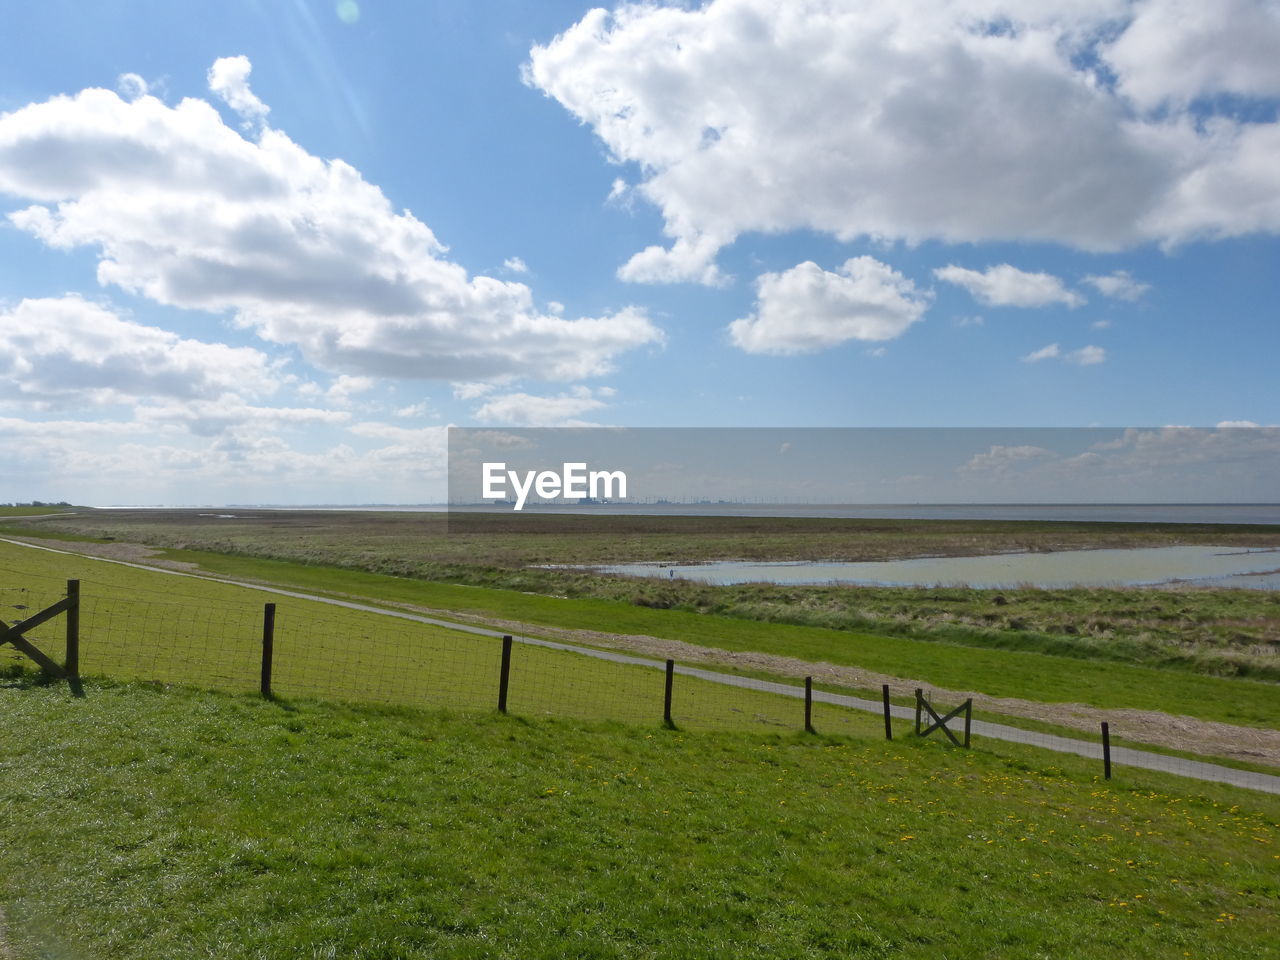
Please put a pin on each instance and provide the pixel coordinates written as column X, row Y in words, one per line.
column 268, row 646
column 888, row 717
column 919, row 706
column 1106, row 750
column 504, row 674
column 808, row 705
column 666, row 698
column 72, row 664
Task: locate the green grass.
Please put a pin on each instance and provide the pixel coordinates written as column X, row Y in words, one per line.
column 1003, row 673
column 137, row 624
column 145, row 823
column 1214, row 632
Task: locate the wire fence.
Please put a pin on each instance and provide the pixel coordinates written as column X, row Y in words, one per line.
column 304, row 648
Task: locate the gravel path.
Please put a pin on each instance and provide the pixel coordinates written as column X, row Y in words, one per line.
column 1120, row 756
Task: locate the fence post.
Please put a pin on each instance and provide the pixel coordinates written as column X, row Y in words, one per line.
column 888, row 717
column 504, row 674
column 268, row 646
column 808, row 705
column 72, row 665
column 666, row 699
column 919, row 702
column 968, row 719
column 1106, row 750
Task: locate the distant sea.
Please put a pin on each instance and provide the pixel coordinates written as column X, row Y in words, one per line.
column 1217, row 513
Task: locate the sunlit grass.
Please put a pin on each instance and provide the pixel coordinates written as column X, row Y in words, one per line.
column 143, row 823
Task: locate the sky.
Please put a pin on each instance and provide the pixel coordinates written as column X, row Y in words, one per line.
column 267, row 251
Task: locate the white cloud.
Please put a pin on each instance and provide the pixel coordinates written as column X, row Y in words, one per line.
column 806, row 308
column 525, row 410
column 67, row 351
column 1091, row 123
column 420, row 409
column 1236, row 423
column 189, row 213
column 131, row 86
column 1007, row 286
column 1001, row 459
column 343, row 388
column 229, row 79
column 515, row 265
column 1044, row 353
column 208, row 418
column 1118, row 284
column 1176, row 51
column 1087, row 356
column 470, row 391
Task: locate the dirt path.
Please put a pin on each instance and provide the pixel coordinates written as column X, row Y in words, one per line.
column 1144, row 726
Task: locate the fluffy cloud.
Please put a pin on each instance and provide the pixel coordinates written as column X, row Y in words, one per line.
column 806, row 308
column 1007, row 286
column 1118, row 284
column 67, row 351
column 229, row 79
column 525, row 410
column 188, row 212
column 1091, row 123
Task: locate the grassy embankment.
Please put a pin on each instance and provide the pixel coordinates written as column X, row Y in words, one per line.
column 1218, row 632
column 145, row 823
column 332, row 658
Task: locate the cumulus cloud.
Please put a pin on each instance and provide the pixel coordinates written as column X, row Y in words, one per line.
column 229, row 79
column 1098, row 124
column 806, row 308
column 515, row 265
column 1007, row 286
column 67, row 351
column 1119, row 284
column 525, row 410
column 186, row 211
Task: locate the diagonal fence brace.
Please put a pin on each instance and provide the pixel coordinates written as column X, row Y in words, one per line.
column 940, row 723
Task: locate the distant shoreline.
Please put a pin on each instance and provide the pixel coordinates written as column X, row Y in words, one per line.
column 1195, row 513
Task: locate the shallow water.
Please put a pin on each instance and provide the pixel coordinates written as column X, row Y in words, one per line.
column 1209, row 566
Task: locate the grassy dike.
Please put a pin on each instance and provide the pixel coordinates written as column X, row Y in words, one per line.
column 997, row 672
column 148, row 822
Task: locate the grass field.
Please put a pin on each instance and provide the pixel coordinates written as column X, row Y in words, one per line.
column 1005, row 673
column 1215, row 632
column 147, row 823
column 141, row 625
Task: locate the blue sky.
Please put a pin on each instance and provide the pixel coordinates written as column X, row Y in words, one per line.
column 268, row 251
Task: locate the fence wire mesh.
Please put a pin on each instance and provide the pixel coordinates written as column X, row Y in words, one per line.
column 333, row 652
